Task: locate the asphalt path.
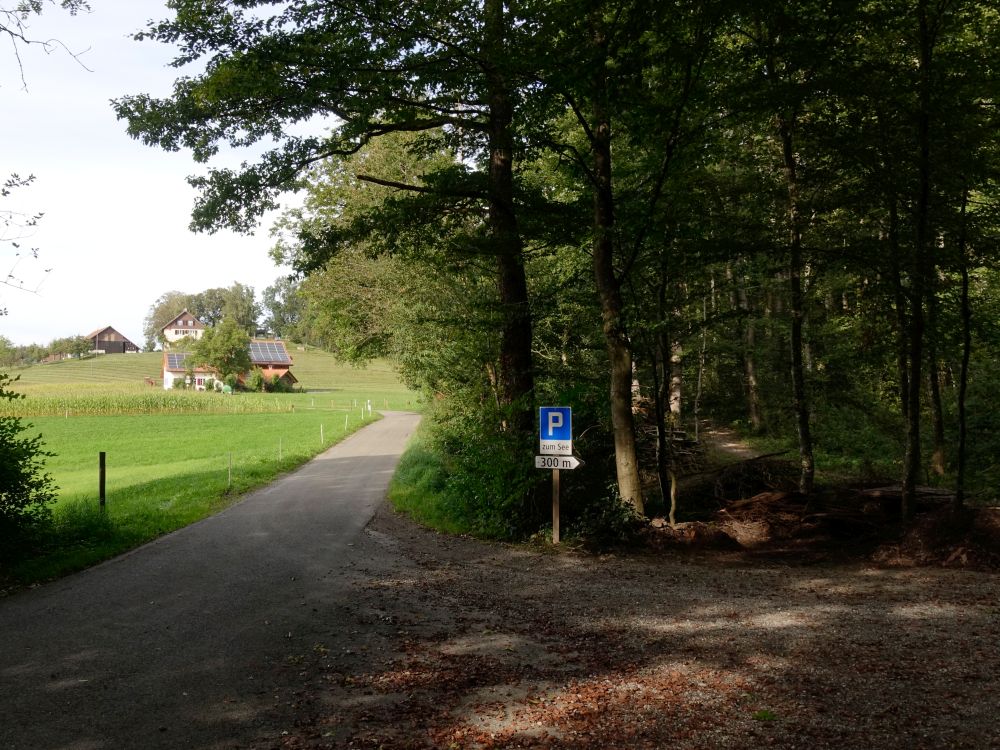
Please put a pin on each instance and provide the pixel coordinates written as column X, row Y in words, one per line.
column 186, row 641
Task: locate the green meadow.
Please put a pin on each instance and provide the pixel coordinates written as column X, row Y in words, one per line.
column 172, row 457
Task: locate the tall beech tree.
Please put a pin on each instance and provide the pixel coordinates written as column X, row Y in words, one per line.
column 606, row 56
column 367, row 68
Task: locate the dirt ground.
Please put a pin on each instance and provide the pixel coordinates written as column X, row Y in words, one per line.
column 457, row 643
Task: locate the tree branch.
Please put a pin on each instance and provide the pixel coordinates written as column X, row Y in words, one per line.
column 419, row 188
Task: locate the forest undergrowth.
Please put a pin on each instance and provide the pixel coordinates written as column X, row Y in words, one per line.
column 740, row 501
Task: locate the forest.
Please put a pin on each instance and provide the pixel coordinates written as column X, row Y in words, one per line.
column 781, row 217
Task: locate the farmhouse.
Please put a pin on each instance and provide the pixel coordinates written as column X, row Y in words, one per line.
column 268, row 355
column 109, row 341
column 273, row 359
column 183, row 326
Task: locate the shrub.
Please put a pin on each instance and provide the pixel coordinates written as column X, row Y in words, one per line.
column 277, row 385
column 605, row 521
column 25, row 490
column 464, row 477
column 255, row 381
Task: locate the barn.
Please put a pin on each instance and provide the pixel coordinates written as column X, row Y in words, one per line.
column 109, row 341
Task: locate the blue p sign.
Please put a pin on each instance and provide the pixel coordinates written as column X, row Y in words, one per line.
column 555, row 423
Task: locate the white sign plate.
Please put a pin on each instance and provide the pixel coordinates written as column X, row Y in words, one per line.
column 557, row 462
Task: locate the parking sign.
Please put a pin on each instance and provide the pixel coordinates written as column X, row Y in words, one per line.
column 555, row 431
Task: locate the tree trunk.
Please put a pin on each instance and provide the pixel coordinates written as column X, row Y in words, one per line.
column 749, row 357
column 663, row 458
column 676, row 381
column 515, row 378
column 795, row 266
column 963, row 381
column 701, row 367
column 918, row 267
column 937, row 462
column 902, row 323
column 609, row 288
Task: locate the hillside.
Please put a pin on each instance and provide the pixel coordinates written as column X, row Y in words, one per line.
column 316, row 370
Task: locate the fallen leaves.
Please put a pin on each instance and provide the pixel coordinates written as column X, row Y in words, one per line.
column 481, row 646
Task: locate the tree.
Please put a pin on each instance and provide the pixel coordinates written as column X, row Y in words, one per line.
column 225, row 348
column 74, row 346
column 15, row 227
column 803, row 190
column 210, row 306
column 240, row 305
column 607, row 59
column 793, row 53
column 14, row 25
column 167, row 306
column 380, row 69
column 26, row 491
column 8, row 352
column 283, row 306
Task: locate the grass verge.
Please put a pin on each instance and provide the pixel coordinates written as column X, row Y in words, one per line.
column 417, row 488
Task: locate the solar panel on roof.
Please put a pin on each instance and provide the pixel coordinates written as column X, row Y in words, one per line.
column 175, row 360
column 268, row 352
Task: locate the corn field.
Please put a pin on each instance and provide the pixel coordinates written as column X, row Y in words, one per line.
column 148, row 402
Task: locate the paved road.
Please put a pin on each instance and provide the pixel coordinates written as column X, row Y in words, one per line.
column 186, row 641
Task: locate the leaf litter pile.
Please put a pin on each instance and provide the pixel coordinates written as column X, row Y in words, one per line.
column 455, row 643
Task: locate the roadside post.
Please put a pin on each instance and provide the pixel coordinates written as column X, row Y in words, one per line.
column 555, row 448
column 101, row 479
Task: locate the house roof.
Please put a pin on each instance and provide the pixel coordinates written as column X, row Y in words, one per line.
column 280, row 372
column 99, row 331
column 269, row 355
column 265, row 352
column 174, row 362
column 102, row 330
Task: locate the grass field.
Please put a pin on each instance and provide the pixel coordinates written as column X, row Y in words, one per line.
column 173, row 457
column 316, row 370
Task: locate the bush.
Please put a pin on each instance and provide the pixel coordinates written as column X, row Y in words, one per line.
column 277, row 385
column 605, row 521
column 255, row 381
column 26, row 492
column 463, row 477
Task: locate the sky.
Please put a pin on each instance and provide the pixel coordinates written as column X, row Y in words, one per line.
column 114, row 236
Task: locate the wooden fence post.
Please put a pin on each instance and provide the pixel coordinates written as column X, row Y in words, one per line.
column 102, row 475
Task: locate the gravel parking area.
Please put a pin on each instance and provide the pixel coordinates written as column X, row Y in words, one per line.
column 456, row 643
